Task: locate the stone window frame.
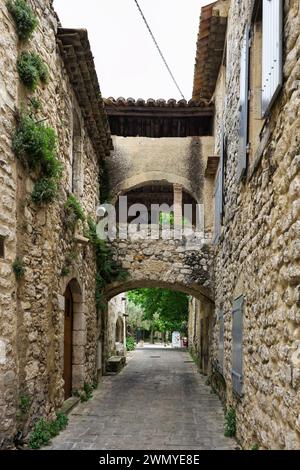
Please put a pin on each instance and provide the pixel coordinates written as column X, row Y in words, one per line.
column 79, row 333
column 256, row 124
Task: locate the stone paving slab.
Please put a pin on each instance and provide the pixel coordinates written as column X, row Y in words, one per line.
column 155, row 403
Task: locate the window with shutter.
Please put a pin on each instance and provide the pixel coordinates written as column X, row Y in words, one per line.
column 237, row 345
column 244, row 94
column 221, row 340
column 271, row 53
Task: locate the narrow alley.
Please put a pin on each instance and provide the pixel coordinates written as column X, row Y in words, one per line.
column 159, row 401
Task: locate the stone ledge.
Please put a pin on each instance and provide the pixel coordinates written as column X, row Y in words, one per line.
column 69, row 404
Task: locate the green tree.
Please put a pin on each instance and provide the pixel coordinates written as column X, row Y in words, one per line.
column 164, row 309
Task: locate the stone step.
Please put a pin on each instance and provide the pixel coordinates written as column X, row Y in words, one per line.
column 115, row 364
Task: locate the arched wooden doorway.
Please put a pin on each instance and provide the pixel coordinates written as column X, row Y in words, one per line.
column 68, row 342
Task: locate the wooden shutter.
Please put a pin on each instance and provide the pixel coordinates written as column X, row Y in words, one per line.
column 244, row 92
column 271, row 52
column 237, row 345
column 221, row 340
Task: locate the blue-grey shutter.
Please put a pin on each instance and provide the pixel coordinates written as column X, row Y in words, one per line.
column 237, row 345
column 218, row 223
column 271, row 52
column 244, row 96
column 221, row 176
column 221, row 340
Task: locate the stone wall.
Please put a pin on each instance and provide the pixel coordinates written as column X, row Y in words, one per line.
column 115, row 329
column 162, row 262
column 258, row 254
column 32, row 310
column 199, row 331
column 137, row 161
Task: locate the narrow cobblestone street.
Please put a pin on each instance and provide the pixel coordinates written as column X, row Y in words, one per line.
column 159, row 401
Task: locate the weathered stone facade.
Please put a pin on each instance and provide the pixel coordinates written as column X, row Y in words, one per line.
column 162, row 262
column 115, row 330
column 32, row 310
column 257, row 255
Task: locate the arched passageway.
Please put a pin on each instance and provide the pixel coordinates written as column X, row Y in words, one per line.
column 74, row 338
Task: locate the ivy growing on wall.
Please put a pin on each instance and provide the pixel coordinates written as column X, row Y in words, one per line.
column 107, row 269
column 35, row 145
column 73, row 211
column 32, row 70
column 24, row 17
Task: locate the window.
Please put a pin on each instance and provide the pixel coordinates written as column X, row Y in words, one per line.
column 260, row 82
column 272, row 24
column 2, row 247
column 244, row 91
column 255, row 84
column 221, row 341
column 237, row 345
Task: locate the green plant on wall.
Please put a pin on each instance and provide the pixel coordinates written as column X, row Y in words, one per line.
column 73, row 211
column 230, row 423
column 18, row 268
column 45, row 430
column 35, row 145
column 24, row 17
column 45, row 190
column 32, row 70
column 24, row 406
column 107, row 269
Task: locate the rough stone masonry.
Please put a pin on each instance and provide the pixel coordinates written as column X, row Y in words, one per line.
column 250, row 268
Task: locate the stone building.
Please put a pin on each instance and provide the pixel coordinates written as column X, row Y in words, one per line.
column 49, row 328
column 116, row 327
column 253, row 82
column 233, row 148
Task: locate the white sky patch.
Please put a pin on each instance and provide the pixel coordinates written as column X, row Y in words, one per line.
column 127, row 61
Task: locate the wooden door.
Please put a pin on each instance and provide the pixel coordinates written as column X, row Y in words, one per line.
column 68, row 346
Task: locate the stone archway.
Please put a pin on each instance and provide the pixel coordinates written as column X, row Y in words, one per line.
column 74, row 337
column 165, row 263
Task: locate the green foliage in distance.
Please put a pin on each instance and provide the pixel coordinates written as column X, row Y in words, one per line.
column 130, row 343
column 24, row 17
column 167, row 310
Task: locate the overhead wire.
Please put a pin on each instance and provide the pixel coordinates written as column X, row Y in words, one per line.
column 158, row 48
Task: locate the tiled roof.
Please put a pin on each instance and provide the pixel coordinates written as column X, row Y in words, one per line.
column 79, row 62
column 161, row 103
column 210, row 48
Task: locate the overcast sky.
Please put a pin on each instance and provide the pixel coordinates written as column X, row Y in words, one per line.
column 126, row 59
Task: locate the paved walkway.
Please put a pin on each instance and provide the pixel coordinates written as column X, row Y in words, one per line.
column 159, row 401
